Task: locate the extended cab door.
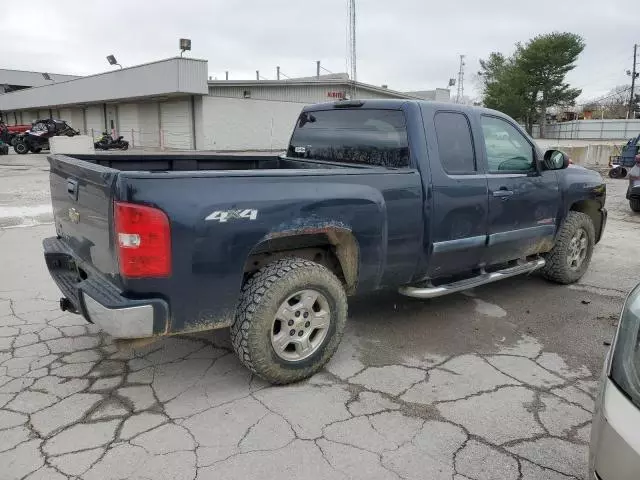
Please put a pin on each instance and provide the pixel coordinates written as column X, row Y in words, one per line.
column 524, row 201
column 458, row 219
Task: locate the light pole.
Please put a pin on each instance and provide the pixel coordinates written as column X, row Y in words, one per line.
column 112, row 61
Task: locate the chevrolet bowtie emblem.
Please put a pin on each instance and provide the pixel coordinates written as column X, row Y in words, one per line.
column 74, row 215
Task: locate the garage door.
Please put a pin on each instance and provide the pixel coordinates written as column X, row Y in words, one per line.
column 128, row 123
column 65, row 114
column 95, row 120
column 75, row 118
column 175, row 121
column 29, row 116
column 149, row 124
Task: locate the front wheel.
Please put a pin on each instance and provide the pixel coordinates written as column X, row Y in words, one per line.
column 569, row 259
column 125, row 146
column 634, row 203
column 290, row 320
column 21, row 148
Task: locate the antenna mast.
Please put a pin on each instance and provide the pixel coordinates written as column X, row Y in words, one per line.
column 352, row 43
column 460, row 94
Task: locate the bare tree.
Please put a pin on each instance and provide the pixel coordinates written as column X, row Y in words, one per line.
column 612, row 105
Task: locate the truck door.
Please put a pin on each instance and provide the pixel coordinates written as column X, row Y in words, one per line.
column 459, row 215
column 524, row 202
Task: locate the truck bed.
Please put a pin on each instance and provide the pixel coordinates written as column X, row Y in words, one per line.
column 181, row 162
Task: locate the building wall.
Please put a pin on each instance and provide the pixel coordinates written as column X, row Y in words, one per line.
column 292, row 93
column 165, row 77
column 591, row 130
column 247, row 124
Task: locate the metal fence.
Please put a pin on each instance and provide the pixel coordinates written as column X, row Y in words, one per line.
column 590, row 130
column 138, row 138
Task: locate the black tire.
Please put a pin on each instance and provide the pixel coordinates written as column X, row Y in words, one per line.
column 260, row 299
column 125, row 146
column 619, row 172
column 21, row 148
column 557, row 268
column 634, row 203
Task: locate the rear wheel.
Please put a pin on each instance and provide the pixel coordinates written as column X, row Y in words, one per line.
column 21, row 148
column 618, row 172
column 290, row 320
column 634, row 203
column 569, row 259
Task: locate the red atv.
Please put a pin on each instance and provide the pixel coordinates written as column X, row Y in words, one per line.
column 9, row 133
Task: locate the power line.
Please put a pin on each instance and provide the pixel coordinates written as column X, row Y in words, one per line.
column 600, row 99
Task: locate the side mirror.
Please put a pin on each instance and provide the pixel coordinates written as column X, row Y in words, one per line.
column 555, row 160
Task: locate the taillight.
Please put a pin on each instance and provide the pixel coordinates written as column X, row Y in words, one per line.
column 143, row 238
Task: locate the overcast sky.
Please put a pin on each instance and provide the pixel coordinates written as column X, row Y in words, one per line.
column 407, row 44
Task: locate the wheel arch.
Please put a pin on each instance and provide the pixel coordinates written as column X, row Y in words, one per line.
column 591, row 208
column 333, row 246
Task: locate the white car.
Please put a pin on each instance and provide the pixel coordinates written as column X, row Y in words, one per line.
column 615, row 433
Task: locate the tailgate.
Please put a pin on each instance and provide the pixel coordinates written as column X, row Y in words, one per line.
column 82, row 199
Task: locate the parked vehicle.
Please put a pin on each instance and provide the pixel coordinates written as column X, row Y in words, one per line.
column 424, row 197
column 37, row 138
column 626, row 160
column 633, row 195
column 615, row 438
column 106, row 142
column 9, row 133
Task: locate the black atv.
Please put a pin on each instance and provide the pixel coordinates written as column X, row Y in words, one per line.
column 107, row 142
column 37, row 139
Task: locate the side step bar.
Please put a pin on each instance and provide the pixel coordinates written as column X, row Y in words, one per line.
column 432, row 291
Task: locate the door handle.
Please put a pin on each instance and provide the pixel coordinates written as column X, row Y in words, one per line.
column 502, row 192
column 72, row 188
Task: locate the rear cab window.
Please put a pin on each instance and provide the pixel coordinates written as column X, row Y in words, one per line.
column 373, row 137
column 455, row 143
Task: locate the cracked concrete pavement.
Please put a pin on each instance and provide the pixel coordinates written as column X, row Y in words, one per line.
column 497, row 383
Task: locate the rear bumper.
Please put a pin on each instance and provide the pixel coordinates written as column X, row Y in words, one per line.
column 99, row 300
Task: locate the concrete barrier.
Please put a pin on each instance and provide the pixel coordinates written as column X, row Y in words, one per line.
column 594, row 155
column 71, row 145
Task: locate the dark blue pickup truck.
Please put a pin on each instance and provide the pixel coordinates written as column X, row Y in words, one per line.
column 423, row 197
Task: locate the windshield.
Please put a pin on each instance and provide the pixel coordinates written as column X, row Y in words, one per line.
column 368, row 136
column 625, row 363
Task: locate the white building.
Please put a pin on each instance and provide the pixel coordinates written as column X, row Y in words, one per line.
column 12, row 80
column 171, row 104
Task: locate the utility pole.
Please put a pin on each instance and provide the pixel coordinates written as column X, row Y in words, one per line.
column 460, row 94
column 634, row 75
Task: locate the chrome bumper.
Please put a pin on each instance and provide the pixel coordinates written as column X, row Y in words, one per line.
column 99, row 300
column 127, row 322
